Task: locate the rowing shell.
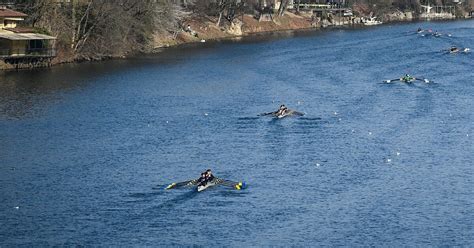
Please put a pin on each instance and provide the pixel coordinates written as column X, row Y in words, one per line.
column 207, row 185
column 283, row 115
column 288, row 113
column 216, row 181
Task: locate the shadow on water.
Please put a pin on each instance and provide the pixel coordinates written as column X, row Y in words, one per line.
column 143, row 197
column 410, row 85
column 177, row 200
column 310, row 118
column 248, row 118
column 276, row 121
column 234, row 193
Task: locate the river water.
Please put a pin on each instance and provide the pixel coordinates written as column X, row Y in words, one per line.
column 87, row 149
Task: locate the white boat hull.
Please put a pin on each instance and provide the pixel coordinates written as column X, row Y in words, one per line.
column 204, row 187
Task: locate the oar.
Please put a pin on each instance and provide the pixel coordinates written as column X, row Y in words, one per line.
column 181, row 184
column 297, row 113
column 228, row 183
column 423, row 80
column 269, row 113
column 391, row 80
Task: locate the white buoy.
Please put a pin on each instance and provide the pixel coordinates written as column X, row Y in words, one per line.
column 398, row 153
column 317, row 164
column 335, row 113
column 370, row 133
column 206, row 114
column 389, row 160
column 17, row 207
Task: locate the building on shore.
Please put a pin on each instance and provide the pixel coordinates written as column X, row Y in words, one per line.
column 21, row 46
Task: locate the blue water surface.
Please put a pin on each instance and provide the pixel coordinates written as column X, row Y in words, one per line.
column 86, row 149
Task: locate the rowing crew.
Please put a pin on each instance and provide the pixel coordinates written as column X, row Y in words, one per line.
column 430, row 32
column 408, row 79
column 455, row 49
column 283, row 111
column 206, row 180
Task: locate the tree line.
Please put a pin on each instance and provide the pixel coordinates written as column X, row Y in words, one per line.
column 93, row 29
column 101, row 28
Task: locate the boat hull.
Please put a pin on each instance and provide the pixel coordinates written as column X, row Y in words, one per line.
column 206, row 186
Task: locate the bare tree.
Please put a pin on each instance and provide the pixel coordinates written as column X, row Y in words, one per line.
column 102, row 28
column 283, row 6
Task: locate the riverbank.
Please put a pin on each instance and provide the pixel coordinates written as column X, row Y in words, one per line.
column 201, row 28
column 204, row 28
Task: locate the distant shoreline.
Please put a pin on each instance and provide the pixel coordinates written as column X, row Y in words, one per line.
column 207, row 32
column 267, row 33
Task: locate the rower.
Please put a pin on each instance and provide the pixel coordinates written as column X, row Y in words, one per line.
column 202, row 179
column 209, row 176
column 453, row 49
column 206, row 177
column 407, row 78
column 282, row 110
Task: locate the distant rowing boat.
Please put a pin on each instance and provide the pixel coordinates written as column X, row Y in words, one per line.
column 202, row 187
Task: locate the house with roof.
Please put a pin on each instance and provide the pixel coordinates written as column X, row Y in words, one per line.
column 21, row 44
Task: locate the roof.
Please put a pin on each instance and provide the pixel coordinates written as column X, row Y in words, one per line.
column 11, row 13
column 20, row 30
column 25, row 36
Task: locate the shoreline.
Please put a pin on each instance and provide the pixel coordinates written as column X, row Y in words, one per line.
column 251, row 35
column 210, row 34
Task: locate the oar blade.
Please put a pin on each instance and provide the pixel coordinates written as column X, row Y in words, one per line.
column 181, row 184
column 392, row 80
column 232, row 184
column 424, row 80
column 173, row 185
